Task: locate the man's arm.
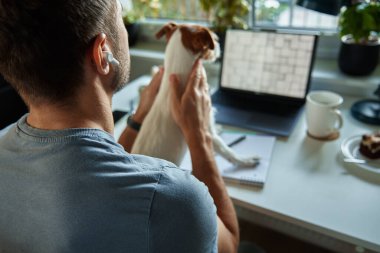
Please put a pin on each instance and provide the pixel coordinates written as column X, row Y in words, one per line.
column 205, row 169
column 148, row 95
column 191, row 111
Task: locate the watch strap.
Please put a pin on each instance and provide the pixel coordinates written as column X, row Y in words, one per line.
column 133, row 124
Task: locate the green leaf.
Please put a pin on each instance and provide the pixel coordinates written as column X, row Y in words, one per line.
column 206, row 6
column 360, row 20
column 227, row 13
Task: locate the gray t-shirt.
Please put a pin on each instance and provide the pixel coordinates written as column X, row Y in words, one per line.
column 77, row 190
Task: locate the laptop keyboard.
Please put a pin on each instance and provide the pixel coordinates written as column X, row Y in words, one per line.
column 278, row 108
column 264, row 116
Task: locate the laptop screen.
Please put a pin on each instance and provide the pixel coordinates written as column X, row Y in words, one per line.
column 268, row 62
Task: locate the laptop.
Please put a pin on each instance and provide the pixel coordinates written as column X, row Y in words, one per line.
column 264, row 79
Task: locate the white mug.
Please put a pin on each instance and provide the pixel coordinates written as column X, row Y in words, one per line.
column 322, row 114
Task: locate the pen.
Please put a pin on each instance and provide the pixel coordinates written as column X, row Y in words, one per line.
column 237, row 141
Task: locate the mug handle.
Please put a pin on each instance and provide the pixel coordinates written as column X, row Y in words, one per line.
column 340, row 118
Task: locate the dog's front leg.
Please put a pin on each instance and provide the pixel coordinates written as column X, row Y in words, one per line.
column 226, row 152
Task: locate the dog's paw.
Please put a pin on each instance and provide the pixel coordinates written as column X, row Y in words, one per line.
column 245, row 161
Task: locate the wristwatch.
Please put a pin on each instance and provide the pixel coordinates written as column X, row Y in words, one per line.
column 133, row 124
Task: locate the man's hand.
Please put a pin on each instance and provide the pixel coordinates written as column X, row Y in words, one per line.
column 191, row 107
column 147, row 97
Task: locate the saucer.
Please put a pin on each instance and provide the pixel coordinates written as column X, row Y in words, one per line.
column 331, row 137
column 350, row 149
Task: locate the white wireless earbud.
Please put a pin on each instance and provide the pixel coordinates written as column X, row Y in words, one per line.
column 110, row 59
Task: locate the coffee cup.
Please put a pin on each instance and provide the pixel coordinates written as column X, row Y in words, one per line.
column 323, row 117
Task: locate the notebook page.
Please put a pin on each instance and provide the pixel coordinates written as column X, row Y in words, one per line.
column 252, row 145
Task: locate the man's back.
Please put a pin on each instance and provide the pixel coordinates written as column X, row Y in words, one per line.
column 77, row 190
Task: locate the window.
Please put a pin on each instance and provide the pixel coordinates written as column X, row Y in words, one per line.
column 169, row 9
column 264, row 13
column 285, row 13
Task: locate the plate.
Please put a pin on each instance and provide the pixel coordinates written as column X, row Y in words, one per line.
column 350, row 149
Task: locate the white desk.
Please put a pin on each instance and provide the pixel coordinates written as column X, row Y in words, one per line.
column 310, row 193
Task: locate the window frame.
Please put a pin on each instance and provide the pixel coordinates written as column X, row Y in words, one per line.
column 252, row 22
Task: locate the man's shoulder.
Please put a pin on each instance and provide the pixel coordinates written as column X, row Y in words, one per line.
column 6, row 130
column 151, row 162
column 171, row 178
column 183, row 215
column 7, row 137
column 175, row 187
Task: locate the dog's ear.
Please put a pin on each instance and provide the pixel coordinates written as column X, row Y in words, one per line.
column 197, row 38
column 204, row 39
column 167, row 30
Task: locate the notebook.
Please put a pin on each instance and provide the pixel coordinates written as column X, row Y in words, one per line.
column 264, row 79
column 251, row 145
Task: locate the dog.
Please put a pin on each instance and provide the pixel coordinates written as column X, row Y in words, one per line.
column 159, row 135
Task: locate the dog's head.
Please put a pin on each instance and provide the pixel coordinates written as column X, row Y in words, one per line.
column 198, row 39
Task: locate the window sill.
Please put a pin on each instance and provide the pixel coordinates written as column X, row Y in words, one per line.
column 326, row 75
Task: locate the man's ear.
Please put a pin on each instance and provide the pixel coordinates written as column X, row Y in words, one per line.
column 98, row 54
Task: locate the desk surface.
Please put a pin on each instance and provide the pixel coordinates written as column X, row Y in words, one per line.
column 308, row 184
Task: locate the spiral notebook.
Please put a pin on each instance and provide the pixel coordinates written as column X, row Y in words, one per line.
column 251, row 145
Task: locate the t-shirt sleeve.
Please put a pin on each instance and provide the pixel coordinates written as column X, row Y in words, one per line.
column 183, row 215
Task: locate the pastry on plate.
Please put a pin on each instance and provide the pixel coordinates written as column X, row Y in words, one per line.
column 370, row 145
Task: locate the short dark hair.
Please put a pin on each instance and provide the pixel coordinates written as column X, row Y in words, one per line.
column 43, row 44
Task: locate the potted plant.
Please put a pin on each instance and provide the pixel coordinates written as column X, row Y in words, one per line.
column 360, row 45
column 225, row 14
column 136, row 12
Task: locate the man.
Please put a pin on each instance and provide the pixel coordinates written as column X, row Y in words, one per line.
column 65, row 184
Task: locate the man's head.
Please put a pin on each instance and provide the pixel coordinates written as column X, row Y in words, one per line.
column 44, row 45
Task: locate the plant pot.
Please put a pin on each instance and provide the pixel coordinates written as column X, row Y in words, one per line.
column 133, row 33
column 358, row 59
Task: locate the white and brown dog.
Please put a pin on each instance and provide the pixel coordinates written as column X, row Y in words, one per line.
column 159, row 135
